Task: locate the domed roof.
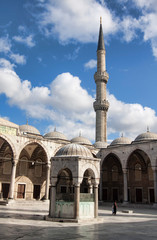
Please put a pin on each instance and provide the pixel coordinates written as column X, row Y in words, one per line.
column 73, row 149
column 81, row 140
column 28, row 129
column 121, row 141
column 148, row 136
column 55, row 135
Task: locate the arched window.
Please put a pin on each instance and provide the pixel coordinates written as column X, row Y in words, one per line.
column 138, row 174
column 38, row 168
column 23, row 166
column 150, row 172
column 7, row 165
column 114, row 173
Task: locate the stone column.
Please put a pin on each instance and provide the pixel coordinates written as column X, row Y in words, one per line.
column 52, row 208
column 12, row 181
column 100, row 186
column 155, row 186
column 90, row 188
column 77, row 200
column 125, row 182
column 47, row 181
column 96, row 200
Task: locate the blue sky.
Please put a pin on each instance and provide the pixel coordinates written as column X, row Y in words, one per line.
column 48, row 59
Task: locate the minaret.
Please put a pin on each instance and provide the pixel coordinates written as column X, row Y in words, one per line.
column 101, row 105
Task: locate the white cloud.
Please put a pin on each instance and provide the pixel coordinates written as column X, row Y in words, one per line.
column 5, row 44
column 6, row 64
column 129, row 26
column 72, row 20
column 145, row 23
column 131, row 119
column 27, row 40
column 77, row 99
column 19, row 59
column 75, row 20
column 70, row 107
column 90, row 64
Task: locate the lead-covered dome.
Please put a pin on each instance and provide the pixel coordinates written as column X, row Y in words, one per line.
column 28, row 129
column 73, row 149
column 148, row 136
column 81, row 140
column 120, row 141
column 55, row 135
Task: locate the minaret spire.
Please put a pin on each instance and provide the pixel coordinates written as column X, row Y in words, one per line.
column 101, row 105
column 101, row 45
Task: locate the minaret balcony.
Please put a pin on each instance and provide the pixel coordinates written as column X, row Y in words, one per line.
column 101, row 105
column 101, row 77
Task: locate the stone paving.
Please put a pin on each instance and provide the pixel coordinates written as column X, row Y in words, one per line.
column 21, row 221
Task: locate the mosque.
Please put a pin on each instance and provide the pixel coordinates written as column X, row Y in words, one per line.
column 32, row 164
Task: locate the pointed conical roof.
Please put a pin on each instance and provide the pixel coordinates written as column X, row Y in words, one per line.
column 101, row 45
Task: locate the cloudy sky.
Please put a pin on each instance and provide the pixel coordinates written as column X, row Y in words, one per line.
column 48, row 59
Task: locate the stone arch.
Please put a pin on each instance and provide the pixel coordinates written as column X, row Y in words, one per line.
column 112, row 178
column 89, row 165
column 64, row 185
column 11, row 145
column 88, row 181
column 139, row 183
column 35, row 154
column 35, row 142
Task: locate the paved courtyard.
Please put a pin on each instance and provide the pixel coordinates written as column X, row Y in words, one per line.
column 22, row 221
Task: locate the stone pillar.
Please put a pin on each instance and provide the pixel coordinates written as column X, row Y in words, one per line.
column 96, row 200
column 77, row 200
column 12, row 181
column 100, row 186
column 125, row 182
column 90, row 188
column 155, row 186
column 47, row 181
column 52, row 208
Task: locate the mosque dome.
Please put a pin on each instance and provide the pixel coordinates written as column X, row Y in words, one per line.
column 28, row 129
column 121, row 141
column 73, row 149
column 81, row 140
column 148, row 136
column 55, row 135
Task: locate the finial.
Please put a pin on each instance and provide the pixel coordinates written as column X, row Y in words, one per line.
column 122, row 135
column 55, row 129
column 27, row 122
column 100, row 20
column 80, row 134
column 147, row 128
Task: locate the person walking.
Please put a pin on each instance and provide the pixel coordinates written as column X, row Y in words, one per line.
column 114, row 208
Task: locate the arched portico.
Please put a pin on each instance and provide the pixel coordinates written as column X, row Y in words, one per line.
column 8, row 167
column 32, row 164
column 111, row 179
column 140, row 178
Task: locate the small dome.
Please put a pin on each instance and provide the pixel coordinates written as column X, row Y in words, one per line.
column 55, row 135
column 73, row 149
column 28, row 129
column 120, row 141
column 148, row 136
column 81, row 140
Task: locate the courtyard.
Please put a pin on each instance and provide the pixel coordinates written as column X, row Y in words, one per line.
column 25, row 221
